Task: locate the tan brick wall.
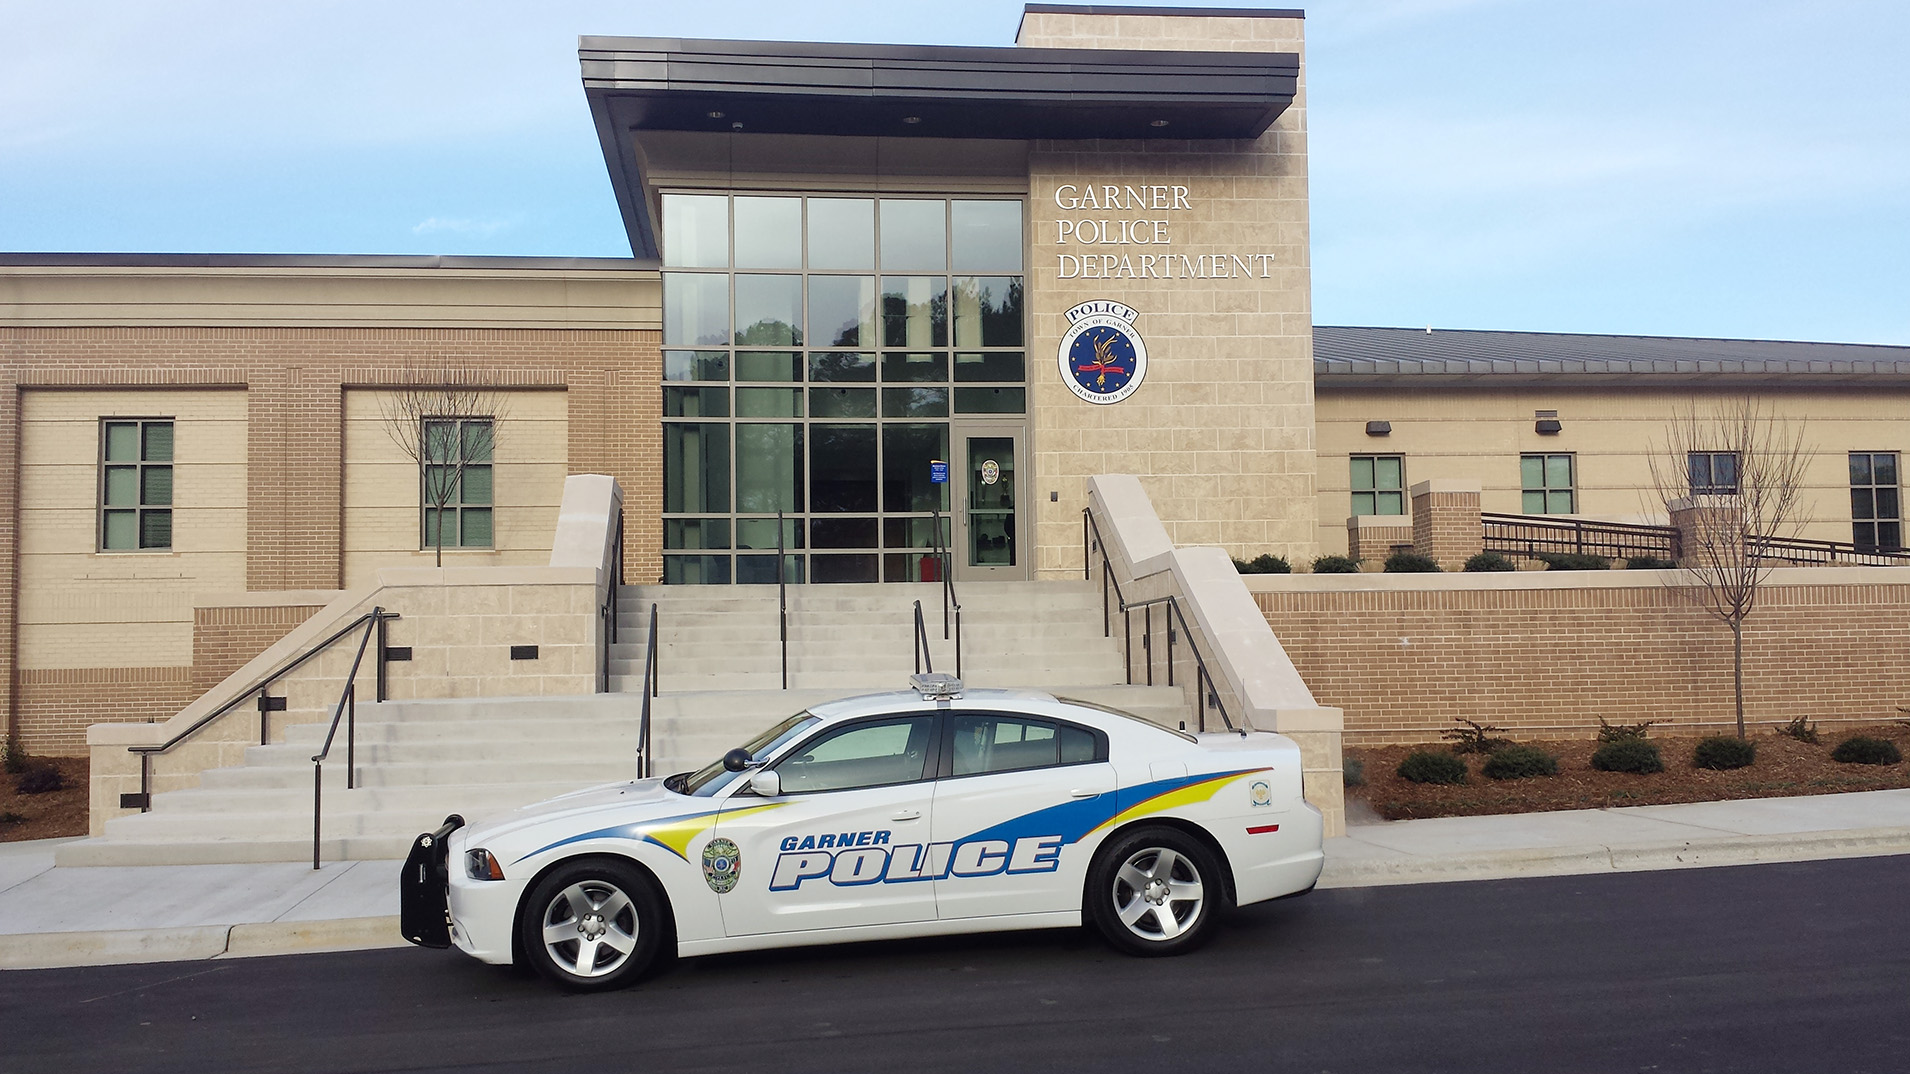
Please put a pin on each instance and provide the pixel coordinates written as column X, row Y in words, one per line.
column 1477, row 433
column 1221, row 430
column 79, row 607
column 294, row 382
column 223, row 639
column 1545, row 662
column 1446, row 524
column 1375, row 536
column 57, row 704
column 381, row 487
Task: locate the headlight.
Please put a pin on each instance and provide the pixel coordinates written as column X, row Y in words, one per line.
column 479, row 865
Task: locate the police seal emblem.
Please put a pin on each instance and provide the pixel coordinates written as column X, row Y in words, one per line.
column 1102, row 356
column 722, row 864
column 1262, row 793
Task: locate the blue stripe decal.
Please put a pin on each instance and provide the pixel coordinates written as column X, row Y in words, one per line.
column 1075, row 819
column 636, row 831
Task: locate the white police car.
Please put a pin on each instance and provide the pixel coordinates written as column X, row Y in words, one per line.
column 921, row 813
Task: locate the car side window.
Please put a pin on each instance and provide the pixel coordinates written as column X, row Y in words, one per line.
column 875, row 753
column 991, row 743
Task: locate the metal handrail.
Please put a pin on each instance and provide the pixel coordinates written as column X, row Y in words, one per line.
column 922, row 654
column 650, row 690
column 377, row 616
column 1824, row 552
column 607, row 612
column 782, row 596
column 946, row 560
column 1531, row 535
column 346, row 709
column 1205, row 693
column 1204, row 679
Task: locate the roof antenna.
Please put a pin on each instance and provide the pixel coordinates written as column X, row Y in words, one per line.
column 1429, row 330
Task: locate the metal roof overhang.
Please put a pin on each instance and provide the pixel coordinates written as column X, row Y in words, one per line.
column 914, row 91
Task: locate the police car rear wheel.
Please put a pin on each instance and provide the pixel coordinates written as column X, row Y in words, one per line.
column 593, row 925
column 1149, row 892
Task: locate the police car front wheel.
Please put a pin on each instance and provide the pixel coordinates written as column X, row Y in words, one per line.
column 593, row 924
column 1152, row 892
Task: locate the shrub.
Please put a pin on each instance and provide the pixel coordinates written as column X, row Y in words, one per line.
column 1474, row 737
column 1861, row 749
column 1723, row 752
column 1628, row 755
column 1649, row 563
column 1801, row 730
column 1264, row 563
column 1490, row 561
column 1403, row 562
column 1336, row 565
column 1622, row 732
column 1427, row 766
column 1520, row 762
column 1353, row 772
column 10, row 817
column 12, row 758
column 1573, row 561
column 39, row 778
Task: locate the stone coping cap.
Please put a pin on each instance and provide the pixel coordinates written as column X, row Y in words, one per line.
column 1457, row 581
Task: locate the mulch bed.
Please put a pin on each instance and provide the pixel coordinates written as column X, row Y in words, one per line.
column 49, row 814
column 1784, row 767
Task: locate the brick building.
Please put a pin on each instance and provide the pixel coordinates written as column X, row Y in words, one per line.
column 1085, row 254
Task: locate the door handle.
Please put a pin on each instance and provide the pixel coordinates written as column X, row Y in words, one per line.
column 1084, row 792
column 908, row 814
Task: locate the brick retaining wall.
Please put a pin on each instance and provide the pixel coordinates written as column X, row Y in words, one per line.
column 1546, row 656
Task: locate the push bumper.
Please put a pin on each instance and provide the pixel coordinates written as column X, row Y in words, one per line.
column 423, row 913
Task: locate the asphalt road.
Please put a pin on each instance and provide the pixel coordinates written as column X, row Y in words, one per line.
column 1794, row 968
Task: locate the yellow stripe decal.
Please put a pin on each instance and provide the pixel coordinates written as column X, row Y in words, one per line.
column 677, row 835
column 1202, row 791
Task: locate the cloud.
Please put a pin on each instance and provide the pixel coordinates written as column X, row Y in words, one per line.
column 457, row 225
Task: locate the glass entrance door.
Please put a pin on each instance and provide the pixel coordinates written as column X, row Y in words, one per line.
column 989, row 523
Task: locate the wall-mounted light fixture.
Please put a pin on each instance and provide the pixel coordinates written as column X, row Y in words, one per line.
column 1546, row 422
column 1379, row 428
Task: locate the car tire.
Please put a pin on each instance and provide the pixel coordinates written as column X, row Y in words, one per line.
column 1154, row 891
column 593, row 925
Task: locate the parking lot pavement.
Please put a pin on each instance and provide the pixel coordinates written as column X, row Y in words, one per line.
column 63, row 916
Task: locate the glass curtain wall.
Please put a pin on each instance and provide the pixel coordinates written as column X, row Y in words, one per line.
column 815, row 349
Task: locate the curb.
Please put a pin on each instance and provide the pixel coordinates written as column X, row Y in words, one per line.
column 1598, row 858
column 56, row 950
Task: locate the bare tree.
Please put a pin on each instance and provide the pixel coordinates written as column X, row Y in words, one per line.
column 445, row 421
column 1732, row 475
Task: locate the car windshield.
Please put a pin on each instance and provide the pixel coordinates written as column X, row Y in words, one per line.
column 713, row 777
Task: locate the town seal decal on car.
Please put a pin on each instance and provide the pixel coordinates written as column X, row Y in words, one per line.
column 1102, row 355
column 1262, row 793
column 722, row 865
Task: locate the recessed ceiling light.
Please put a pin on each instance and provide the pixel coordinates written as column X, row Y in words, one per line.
column 1158, row 123
column 716, row 115
column 911, row 119
column 737, row 125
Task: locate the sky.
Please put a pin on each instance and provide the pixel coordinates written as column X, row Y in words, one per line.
column 1663, row 167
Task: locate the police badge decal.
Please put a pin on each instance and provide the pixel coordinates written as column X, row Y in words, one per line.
column 722, row 865
column 1102, row 355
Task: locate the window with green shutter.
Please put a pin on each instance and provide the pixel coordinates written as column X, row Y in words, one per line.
column 135, row 485
column 457, row 487
column 1379, row 484
column 1546, row 485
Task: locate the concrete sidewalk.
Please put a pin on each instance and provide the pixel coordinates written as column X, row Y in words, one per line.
column 71, row 916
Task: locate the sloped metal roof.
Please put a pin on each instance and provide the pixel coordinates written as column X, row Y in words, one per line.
column 1347, row 357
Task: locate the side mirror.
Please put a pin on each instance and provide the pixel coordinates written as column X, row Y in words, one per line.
column 736, row 760
column 766, row 783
